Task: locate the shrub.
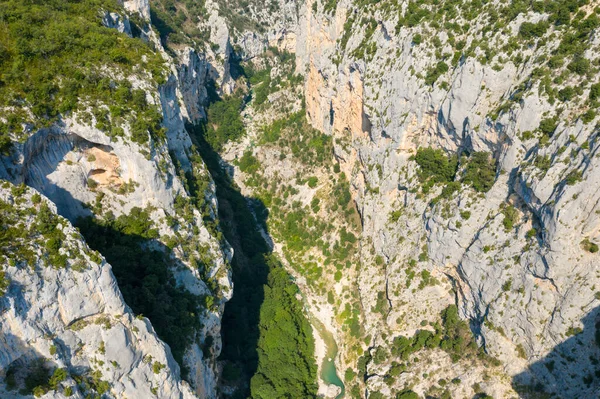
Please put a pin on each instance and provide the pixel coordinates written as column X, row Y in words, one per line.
column 224, row 122
column 434, row 73
column 92, row 184
column 157, row 367
column 249, row 163
column 589, row 246
column 589, row 116
column 573, row 177
column 407, row 394
column 435, row 167
column 510, row 217
column 595, row 92
column 566, row 94
column 480, row 172
column 579, row 65
column 529, row 30
column 548, row 126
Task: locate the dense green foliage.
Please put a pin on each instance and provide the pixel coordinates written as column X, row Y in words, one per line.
column 480, row 172
column 285, row 364
column 435, row 167
column 263, row 359
column 144, row 278
column 54, row 58
column 224, row 123
column 453, row 336
column 18, row 238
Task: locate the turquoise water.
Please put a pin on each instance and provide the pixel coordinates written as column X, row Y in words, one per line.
column 328, row 371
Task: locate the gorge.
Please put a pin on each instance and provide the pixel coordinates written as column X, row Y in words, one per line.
column 290, row 199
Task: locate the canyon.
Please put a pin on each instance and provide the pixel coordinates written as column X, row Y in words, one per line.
column 424, row 171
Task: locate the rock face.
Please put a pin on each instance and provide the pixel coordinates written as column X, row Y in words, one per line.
column 519, row 258
column 527, row 285
column 84, row 171
column 383, row 79
column 75, row 318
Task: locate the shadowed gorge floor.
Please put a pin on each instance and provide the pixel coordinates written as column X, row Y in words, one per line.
column 267, row 341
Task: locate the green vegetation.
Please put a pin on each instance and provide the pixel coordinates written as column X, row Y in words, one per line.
column 39, row 377
column 285, row 364
column 573, row 177
column 529, row 30
column 480, row 172
column 18, row 238
column 435, row 72
column 225, row 122
column 454, row 336
column 437, row 167
column 249, row 163
column 510, row 217
column 144, row 278
column 267, row 342
column 589, row 246
column 176, row 22
column 56, row 58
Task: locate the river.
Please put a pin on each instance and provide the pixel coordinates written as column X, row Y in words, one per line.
column 329, row 373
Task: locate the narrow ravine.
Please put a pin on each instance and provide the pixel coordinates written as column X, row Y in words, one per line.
column 251, row 365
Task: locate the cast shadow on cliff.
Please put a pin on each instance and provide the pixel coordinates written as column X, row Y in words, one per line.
column 146, row 273
column 570, row 370
column 240, row 218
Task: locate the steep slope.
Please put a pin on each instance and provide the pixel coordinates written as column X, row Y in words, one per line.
column 514, row 237
column 424, row 169
column 65, row 328
column 467, row 133
column 95, row 120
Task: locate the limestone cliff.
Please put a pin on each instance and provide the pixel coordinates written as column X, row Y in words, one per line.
column 86, row 170
column 519, row 258
column 71, row 318
column 526, row 284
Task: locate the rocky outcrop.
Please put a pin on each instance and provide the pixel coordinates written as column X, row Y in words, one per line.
column 524, row 287
column 85, row 171
column 74, row 318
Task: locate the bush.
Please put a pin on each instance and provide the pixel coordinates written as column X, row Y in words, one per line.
column 589, row 246
column 407, row 394
column 595, row 92
column 548, row 126
column 510, row 217
column 566, row 94
column 435, row 167
column 248, row 163
column 529, row 30
column 579, row 65
column 573, row 177
column 224, row 122
column 434, row 73
column 480, row 172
